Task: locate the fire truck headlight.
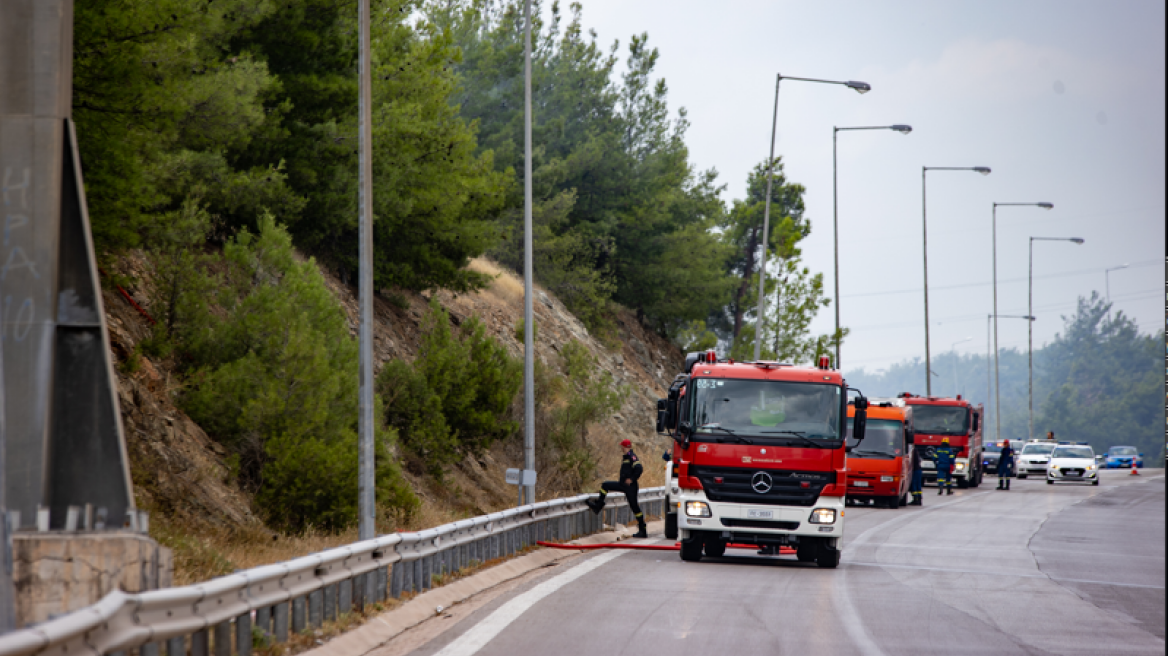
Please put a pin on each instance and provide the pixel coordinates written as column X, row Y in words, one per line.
column 960, row 467
column 697, row 509
column 822, row 516
column 887, row 479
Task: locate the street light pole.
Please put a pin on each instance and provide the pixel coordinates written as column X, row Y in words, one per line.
column 903, row 129
column 528, row 318
column 861, row 87
column 991, row 392
column 997, row 349
column 984, row 170
column 1030, row 325
column 366, row 499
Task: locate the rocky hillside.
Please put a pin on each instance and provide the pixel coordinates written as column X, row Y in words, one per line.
column 181, row 474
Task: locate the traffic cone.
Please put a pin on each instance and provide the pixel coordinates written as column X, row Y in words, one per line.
column 1134, row 471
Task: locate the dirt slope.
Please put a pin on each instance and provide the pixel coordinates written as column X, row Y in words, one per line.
column 180, row 474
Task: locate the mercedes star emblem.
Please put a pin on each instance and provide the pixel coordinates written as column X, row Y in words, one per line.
column 761, row 482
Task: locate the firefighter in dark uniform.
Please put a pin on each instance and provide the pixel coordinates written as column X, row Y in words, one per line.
column 946, row 459
column 1005, row 466
column 630, row 471
column 917, row 481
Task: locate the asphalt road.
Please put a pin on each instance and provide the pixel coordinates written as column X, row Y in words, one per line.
column 1041, row 569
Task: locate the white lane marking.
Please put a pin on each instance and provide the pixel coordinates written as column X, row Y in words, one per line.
column 1008, row 574
column 480, row 634
column 853, row 624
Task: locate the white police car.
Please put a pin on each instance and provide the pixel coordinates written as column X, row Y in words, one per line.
column 1072, row 462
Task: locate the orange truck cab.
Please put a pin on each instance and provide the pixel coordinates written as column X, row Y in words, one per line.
column 938, row 418
column 880, row 467
column 759, row 449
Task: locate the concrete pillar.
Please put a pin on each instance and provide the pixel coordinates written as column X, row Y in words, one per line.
column 63, row 428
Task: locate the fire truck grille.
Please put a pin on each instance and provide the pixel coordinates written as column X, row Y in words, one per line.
column 759, row 523
column 784, row 487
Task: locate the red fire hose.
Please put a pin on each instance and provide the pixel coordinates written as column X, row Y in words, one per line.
column 651, row 547
column 614, row 545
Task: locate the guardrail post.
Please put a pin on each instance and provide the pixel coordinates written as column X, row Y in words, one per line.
column 149, row 649
column 345, row 596
column 381, row 585
column 222, row 639
column 281, row 622
column 176, row 646
column 264, row 620
column 395, row 579
column 242, row 635
column 200, row 643
column 427, row 571
column 416, row 576
column 315, row 608
column 299, row 614
column 329, row 610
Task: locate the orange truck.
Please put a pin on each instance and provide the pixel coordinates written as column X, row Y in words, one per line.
column 880, row 467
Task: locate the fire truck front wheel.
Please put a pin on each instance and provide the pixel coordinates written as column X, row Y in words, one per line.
column 670, row 526
column 807, row 552
column 828, row 556
column 691, row 547
column 715, row 547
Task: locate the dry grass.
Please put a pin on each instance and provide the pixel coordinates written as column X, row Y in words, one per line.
column 506, row 287
column 202, row 553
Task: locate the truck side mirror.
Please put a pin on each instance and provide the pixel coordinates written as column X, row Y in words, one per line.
column 661, row 403
column 684, row 431
column 860, row 420
column 909, row 436
column 975, row 422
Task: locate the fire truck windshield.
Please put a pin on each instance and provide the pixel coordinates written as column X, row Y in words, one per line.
column 765, row 408
column 940, row 419
column 882, row 438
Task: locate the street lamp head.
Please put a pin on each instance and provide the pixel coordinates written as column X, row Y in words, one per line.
column 984, row 170
column 903, row 129
column 862, row 87
column 1046, row 206
column 1077, row 240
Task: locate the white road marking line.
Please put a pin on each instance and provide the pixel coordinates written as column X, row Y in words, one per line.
column 853, row 624
column 480, row 634
column 1008, row 574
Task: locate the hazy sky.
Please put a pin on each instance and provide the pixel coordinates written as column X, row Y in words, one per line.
column 1063, row 100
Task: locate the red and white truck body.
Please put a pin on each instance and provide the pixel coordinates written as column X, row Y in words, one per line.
column 759, row 450
column 936, row 418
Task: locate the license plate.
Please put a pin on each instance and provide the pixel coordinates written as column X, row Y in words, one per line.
column 760, row 514
column 860, row 483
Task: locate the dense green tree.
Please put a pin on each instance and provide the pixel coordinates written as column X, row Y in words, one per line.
column 160, row 98
column 741, row 231
column 618, row 210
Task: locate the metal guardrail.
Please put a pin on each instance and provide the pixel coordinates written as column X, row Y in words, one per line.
column 224, row 616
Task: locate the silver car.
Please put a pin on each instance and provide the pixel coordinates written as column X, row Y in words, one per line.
column 1034, row 458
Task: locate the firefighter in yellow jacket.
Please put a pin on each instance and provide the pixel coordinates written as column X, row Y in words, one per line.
column 630, row 471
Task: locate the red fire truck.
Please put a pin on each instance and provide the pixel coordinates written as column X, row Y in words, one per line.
column 759, row 449
column 935, row 418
